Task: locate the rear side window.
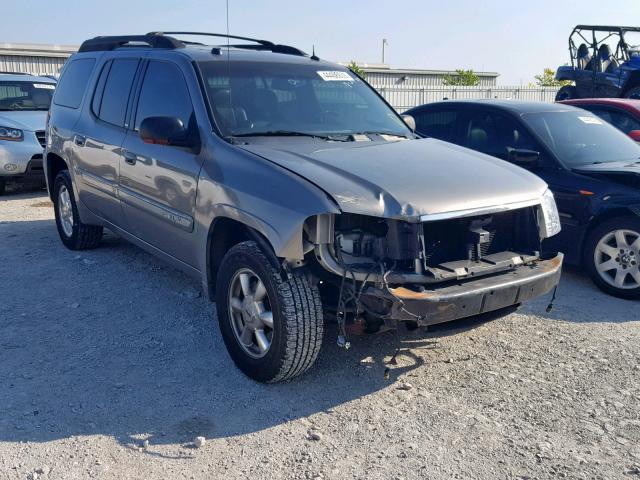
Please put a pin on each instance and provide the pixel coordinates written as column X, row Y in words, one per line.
column 112, row 107
column 73, row 83
column 438, row 124
column 164, row 93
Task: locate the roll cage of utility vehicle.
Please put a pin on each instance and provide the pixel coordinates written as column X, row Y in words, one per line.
column 605, row 62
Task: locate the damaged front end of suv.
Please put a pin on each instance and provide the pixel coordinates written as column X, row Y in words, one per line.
column 433, row 268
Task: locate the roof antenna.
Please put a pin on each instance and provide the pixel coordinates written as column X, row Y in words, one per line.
column 229, row 60
column 313, row 54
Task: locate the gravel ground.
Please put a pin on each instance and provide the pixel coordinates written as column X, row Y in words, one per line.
column 111, row 364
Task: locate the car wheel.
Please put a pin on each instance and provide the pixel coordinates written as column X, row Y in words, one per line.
column 633, row 93
column 74, row 234
column 612, row 257
column 272, row 327
column 566, row 93
column 3, row 185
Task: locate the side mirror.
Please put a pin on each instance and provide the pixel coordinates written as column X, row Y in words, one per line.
column 410, row 121
column 523, row 157
column 165, row 131
column 635, row 135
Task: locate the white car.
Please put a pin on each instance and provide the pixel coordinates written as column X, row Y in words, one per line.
column 24, row 102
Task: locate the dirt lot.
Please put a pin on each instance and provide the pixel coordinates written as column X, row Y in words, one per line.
column 102, row 350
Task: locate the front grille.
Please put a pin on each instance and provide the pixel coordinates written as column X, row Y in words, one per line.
column 453, row 240
column 41, row 137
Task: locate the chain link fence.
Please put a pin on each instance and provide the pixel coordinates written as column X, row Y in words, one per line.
column 405, row 98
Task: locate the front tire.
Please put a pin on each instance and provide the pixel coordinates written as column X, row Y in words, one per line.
column 567, row 92
column 74, row 234
column 272, row 327
column 612, row 257
column 3, row 185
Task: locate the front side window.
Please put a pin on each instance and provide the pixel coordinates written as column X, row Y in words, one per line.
column 581, row 138
column 494, row 133
column 20, row 95
column 250, row 98
column 113, row 104
column 164, row 94
column 73, row 82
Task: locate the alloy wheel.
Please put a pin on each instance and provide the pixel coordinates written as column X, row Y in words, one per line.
column 250, row 313
column 65, row 211
column 617, row 257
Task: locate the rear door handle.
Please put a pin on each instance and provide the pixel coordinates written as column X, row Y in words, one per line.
column 79, row 140
column 130, row 157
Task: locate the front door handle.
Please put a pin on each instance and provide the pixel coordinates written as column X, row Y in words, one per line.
column 130, row 158
column 79, row 140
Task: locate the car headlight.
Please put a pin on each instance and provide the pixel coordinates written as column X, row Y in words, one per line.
column 548, row 217
column 11, row 134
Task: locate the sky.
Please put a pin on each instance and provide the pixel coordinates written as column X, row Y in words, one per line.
column 517, row 39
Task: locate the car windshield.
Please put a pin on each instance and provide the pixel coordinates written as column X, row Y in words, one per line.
column 581, row 138
column 254, row 98
column 21, row 95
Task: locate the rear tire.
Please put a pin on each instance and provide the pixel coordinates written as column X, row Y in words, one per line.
column 249, row 288
column 568, row 92
column 612, row 257
column 3, row 185
column 633, row 93
column 74, row 234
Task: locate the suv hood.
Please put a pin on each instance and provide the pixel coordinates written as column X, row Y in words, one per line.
column 30, row 120
column 402, row 179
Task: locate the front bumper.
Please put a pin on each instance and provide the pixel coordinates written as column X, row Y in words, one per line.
column 19, row 159
column 464, row 299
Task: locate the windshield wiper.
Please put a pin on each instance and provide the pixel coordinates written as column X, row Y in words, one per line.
column 287, row 133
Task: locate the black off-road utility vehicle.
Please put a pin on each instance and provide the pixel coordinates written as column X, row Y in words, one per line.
column 605, row 62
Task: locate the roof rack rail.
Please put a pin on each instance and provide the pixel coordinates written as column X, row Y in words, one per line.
column 98, row 44
column 221, row 35
column 261, row 44
column 17, row 73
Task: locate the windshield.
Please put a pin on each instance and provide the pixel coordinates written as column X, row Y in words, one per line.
column 20, row 95
column 580, row 138
column 253, row 98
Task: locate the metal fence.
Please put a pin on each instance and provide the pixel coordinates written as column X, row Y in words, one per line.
column 404, row 98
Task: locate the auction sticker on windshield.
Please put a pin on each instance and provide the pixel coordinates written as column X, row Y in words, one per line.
column 335, row 76
column 591, row 120
column 47, row 86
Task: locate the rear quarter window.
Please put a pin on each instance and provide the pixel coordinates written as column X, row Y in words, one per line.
column 73, row 82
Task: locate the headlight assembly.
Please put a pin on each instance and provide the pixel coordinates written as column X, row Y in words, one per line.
column 11, row 134
column 548, row 217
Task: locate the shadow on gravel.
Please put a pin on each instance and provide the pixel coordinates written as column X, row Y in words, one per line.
column 578, row 300
column 113, row 342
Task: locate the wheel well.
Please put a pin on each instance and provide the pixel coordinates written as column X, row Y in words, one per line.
column 55, row 164
column 224, row 233
column 599, row 220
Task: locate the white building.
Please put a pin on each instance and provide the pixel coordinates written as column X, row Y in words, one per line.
column 34, row 58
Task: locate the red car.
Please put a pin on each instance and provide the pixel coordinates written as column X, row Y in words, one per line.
column 622, row 113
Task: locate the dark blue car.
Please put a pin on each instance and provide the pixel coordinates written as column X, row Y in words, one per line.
column 592, row 168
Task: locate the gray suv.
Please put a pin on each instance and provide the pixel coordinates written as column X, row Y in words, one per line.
column 291, row 189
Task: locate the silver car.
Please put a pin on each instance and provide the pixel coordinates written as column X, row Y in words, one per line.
column 291, row 190
column 24, row 102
